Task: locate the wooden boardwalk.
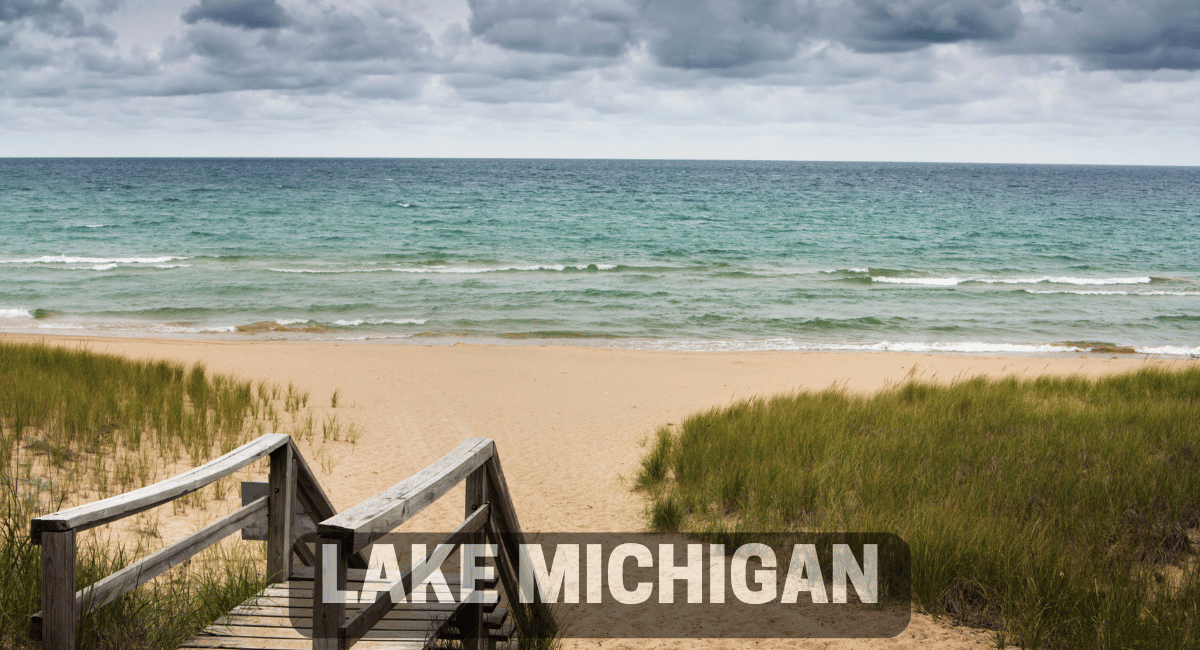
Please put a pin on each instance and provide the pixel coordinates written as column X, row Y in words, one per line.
column 299, row 524
column 280, row 618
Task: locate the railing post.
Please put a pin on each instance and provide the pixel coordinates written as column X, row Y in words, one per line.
column 475, row 635
column 59, row 609
column 280, row 495
column 329, row 612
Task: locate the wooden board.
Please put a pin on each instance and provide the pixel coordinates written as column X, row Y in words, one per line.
column 382, row 513
column 265, row 621
column 90, row 515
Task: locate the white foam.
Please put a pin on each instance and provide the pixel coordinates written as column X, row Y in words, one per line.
column 379, row 321
column 104, row 267
column 172, row 266
column 1169, row 349
column 1113, row 293
column 1081, row 293
column 1047, row 279
column 849, row 270
column 936, row 282
column 454, row 269
column 324, row 270
column 290, row 321
column 372, row 338
column 1065, row 280
column 15, row 312
column 72, row 259
column 976, row 347
column 60, row 326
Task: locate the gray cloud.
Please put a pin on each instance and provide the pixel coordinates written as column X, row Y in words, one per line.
column 53, row 17
column 891, row 26
column 727, row 34
column 1137, row 35
column 250, row 14
column 717, row 34
column 695, row 61
column 320, row 50
column 579, row 28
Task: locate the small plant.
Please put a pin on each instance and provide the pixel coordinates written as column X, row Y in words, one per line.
column 331, row 428
column 333, row 399
column 353, row 433
column 655, row 464
column 666, row 514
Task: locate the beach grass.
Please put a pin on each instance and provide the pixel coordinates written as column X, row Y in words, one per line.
column 1061, row 512
column 76, row 426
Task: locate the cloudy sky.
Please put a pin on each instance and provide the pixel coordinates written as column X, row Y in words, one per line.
column 1078, row 81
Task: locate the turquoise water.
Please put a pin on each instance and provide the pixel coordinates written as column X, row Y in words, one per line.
column 648, row 254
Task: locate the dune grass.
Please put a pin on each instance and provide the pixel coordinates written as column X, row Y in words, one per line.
column 77, row 426
column 1061, row 512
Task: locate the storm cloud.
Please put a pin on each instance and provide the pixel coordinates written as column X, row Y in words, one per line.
column 250, row 14
column 722, row 34
column 740, row 63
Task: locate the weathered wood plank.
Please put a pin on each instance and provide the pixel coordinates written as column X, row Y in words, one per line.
column 281, row 488
column 234, row 643
column 382, row 513
column 358, row 626
column 252, row 491
column 505, row 528
column 500, row 497
column 470, row 616
column 506, row 567
column 91, row 515
column 401, row 618
column 416, row 629
column 61, row 611
column 126, row 580
column 328, row 616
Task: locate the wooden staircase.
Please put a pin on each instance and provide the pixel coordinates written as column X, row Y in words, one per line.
column 299, row 523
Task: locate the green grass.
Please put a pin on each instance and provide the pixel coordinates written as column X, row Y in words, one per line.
column 76, row 426
column 1060, row 512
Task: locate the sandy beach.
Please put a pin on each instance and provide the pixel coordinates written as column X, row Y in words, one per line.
column 569, row 422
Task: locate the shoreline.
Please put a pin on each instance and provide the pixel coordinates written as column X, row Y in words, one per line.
column 568, row 421
column 271, row 331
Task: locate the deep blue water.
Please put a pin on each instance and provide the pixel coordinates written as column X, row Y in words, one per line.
column 658, row 254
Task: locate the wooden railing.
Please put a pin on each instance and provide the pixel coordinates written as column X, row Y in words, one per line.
column 489, row 517
column 292, row 490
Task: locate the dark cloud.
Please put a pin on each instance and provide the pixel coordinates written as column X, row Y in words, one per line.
column 578, row 28
column 735, row 34
column 679, row 33
column 53, row 17
column 1138, row 35
column 892, row 26
column 322, row 50
column 249, row 14
column 723, row 33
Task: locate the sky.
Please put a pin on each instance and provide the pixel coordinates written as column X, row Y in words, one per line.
column 1025, row 81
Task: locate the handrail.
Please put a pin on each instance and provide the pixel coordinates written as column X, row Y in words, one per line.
column 290, row 481
column 139, row 573
column 90, row 515
column 358, row 626
column 292, row 488
column 382, row 513
column 489, row 515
